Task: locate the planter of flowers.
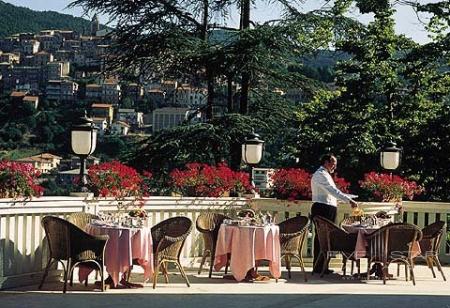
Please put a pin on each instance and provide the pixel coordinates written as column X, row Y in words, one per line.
column 203, row 180
column 19, row 180
column 390, row 189
column 121, row 182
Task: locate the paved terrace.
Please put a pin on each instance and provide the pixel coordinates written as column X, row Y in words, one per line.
column 330, row 291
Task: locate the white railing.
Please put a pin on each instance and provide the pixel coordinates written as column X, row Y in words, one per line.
column 23, row 252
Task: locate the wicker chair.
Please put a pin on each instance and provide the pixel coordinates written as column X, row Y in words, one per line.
column 69, row 243
column 333, row 239
column 392, row 244
column 429, row 247
column 81, row 220
column 208, row 225
column 292, row 238
column 168, row 240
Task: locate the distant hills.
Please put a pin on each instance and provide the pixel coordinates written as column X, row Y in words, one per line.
column 15, row 19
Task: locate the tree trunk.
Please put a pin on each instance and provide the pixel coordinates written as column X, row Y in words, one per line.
column 230, row 93
column 245, row 24
column 209, row 75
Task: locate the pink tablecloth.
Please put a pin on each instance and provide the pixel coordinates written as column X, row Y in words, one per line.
column 124, row 245
column 247, row 245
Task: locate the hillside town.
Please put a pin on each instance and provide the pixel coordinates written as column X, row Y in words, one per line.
column 67, row 67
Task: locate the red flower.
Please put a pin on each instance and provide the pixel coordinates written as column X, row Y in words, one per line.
column 386, row 187
column 203, row 180
column 292, row 184
column 18, row 180
column 113, row 179
column 342, row 184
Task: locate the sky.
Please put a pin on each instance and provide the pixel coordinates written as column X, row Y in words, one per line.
column 407, row 21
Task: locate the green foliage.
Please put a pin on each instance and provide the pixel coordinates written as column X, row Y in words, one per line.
column 110, row 147
column 390, row 89
column 14, row 19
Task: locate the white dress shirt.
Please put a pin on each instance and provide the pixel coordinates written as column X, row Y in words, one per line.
column 324, row 189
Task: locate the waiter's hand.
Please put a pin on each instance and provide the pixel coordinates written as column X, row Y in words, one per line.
column 353, row 203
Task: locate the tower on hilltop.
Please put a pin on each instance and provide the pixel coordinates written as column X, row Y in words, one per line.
column 95, row 25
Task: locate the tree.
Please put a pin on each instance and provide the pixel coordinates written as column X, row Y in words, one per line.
column 389, row 89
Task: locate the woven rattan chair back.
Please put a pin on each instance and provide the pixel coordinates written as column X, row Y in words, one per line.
column 333, row 239
column 81, row 220
column 69, row 243
column 58, row 239
column 293, row 233
column 168, row 240
column 208, row 224
column 430, row 245
column 393, row 243
column 431, row 237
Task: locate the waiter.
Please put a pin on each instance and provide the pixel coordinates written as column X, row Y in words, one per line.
column 324, row 196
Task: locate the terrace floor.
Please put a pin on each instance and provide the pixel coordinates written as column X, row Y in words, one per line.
column 330, row 291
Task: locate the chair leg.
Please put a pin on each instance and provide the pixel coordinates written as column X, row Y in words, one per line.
column 411, row 268
column 202, row 262
column 287, row 259
column 368, row 269
column 164, row 271
column 406, row 271
column 71, row 278
column 155, row 275
column 66, row 274
column 302, row 265
column 49, row 263
column 101, row 277
column 438, row 264
column 211, row 262
column 344, row 265
column 183, row 273
column 317, row 261
column 325, row 265
column 129, row 273
column 352, row 268
column 384, row 270
column 398, row 269
column 228, row 263
column 358, row 264
column 431, row 265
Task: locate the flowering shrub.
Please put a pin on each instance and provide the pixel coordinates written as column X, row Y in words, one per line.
column 241, row 183
column 386, row 187
column 18, row 180
column 203, row 180
column 113, row 179
column 291, row 184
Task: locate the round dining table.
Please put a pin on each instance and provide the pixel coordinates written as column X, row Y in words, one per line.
column 246, row 245
column 124, row 245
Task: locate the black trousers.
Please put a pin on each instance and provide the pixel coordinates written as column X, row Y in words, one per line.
column 329, row 212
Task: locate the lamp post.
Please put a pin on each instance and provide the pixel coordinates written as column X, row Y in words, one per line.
column 84, row 141
column 252, row 151
column 390, row 156
column 390, row 159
